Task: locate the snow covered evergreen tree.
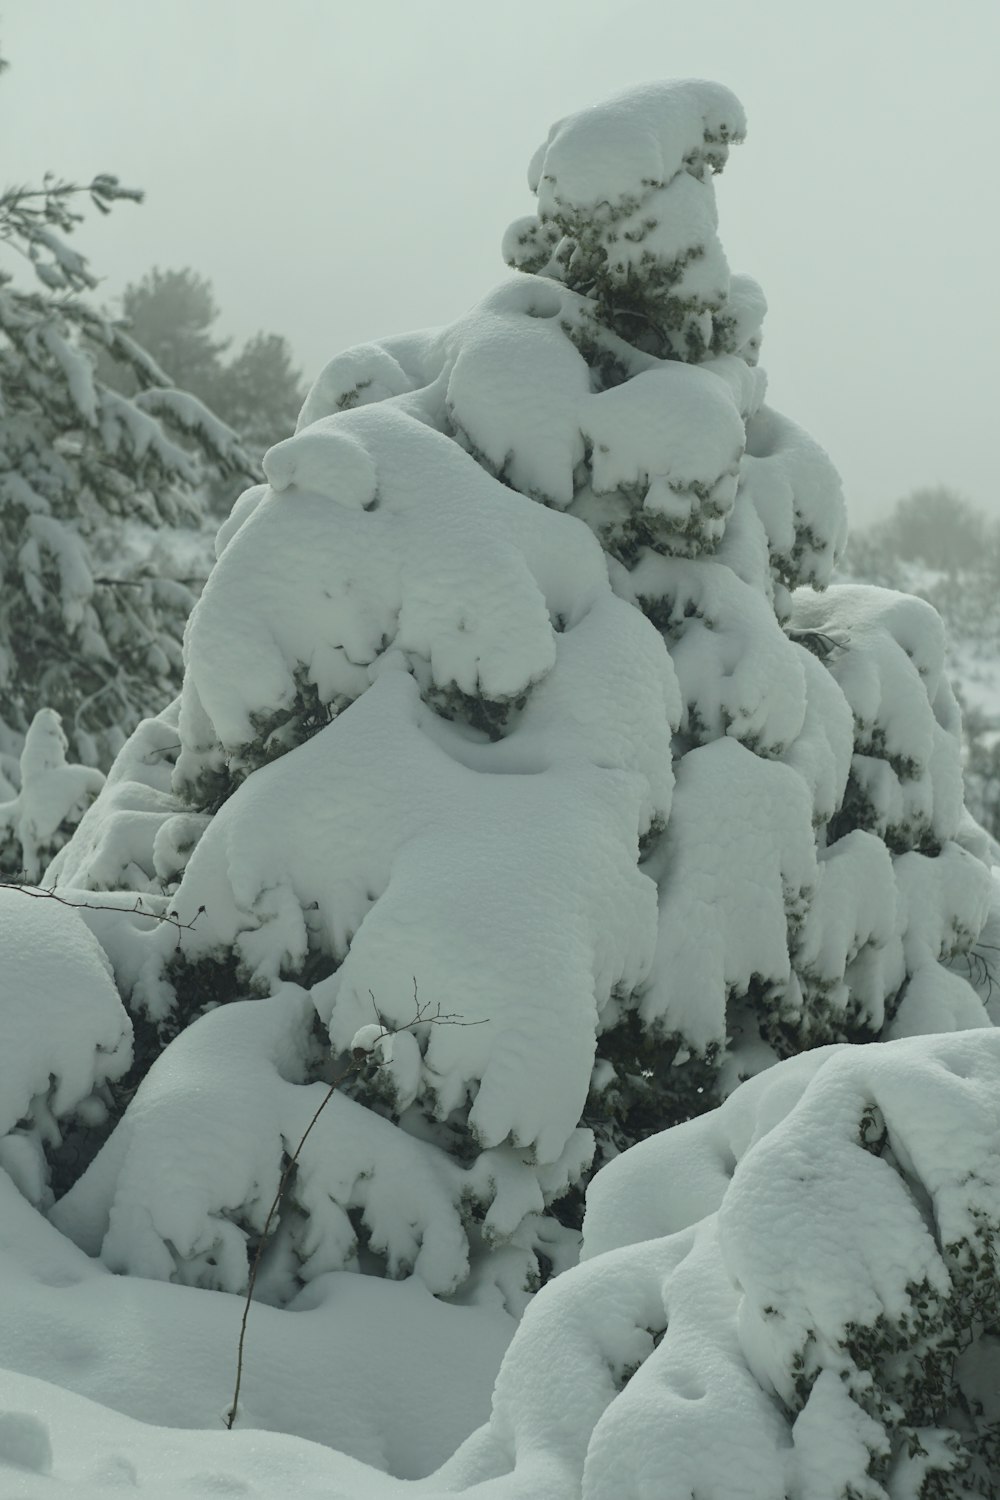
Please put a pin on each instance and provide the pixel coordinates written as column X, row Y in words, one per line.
column 517, row 695
column 82, row 632
column 172, row 315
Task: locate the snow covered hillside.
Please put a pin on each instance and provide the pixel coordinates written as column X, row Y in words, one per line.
column 529, row 778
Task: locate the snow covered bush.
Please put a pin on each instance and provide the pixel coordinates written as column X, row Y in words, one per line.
column 52, row 799
column 794, row 1295
column 82, row 630
column 66, row 1040
column 517, row 693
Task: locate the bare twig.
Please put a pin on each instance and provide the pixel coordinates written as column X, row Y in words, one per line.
column 234, row 1407
column 46, row 893
column 359, row 1057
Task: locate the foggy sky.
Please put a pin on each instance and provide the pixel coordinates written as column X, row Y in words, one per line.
column 344, row 169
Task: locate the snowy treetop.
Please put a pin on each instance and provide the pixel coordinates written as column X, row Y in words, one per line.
column 626, row 214
column 641, row 138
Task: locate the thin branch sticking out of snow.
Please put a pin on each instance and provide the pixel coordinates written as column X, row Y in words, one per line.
column 362, row 1051
column 46, row 893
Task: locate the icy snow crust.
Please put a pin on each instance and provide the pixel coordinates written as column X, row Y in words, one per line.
column 526, row 765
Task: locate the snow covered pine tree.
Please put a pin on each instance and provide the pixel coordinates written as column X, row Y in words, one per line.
column 82, row 631
column 519, row 684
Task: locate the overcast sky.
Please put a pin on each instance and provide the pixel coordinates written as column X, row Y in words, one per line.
column 342, row 169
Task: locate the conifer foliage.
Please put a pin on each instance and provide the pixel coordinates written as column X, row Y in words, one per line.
column 81, row 631
column 256, row 390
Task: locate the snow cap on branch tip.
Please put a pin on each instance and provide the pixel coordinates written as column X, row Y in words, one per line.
column 324, row 460
column 365, row 1040
column 641, row 136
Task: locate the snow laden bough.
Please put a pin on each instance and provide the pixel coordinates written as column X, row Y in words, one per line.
column 52, row 798
column 518, row 693
column 66, row 1042
column 794, row 1295
column 91, row 615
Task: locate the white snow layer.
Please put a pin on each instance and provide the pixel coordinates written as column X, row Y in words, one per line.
column 474, row 717
column 709, row 1343
column 52, row 797
column 65, row 1031
column 507, row 582
column 410, row 902
column 626, row 187
column 821, row 1193
column 644, row 135
column 380, row 1370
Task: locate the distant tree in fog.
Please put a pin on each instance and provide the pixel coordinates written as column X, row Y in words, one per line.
column 933, row 525
column 257, row 391
column 88, row 631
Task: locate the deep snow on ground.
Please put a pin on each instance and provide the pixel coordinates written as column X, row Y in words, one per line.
column 651, row 1369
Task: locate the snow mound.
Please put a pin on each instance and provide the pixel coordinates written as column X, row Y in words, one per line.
column 796, row 492
column 467, row 584
column 113, row 846
column 52, row 799
column 65, row 1033
column 408, row 822
column 411, row 1378
column 887, row 659
column 739, row 865
column 771, row 1295
column 769, row 1303
column 624, row 196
